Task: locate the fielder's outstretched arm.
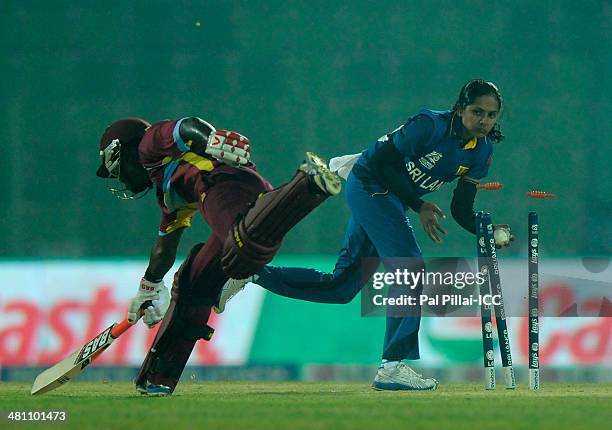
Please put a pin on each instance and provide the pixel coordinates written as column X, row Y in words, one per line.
column 462, row 205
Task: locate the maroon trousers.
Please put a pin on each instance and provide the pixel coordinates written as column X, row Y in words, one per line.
column 229, row 193
column 225, row 194
column 233, row 200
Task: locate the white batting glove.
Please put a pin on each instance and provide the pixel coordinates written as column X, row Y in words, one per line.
column 229, row 147
column 157, row 294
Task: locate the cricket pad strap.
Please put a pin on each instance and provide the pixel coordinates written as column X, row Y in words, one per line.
column 255, row 238
column 192, row 332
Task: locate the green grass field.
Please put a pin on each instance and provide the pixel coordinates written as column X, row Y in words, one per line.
column 267, row 405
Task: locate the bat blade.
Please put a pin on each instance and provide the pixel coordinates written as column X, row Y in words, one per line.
column 59, row 374
column 71, row 366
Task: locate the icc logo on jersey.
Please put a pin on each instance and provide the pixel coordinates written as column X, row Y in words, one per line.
column 430, row 159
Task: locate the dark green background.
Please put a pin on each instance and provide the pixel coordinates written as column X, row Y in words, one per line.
column 295, row 76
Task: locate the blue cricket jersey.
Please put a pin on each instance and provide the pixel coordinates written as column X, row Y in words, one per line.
column 433, row 150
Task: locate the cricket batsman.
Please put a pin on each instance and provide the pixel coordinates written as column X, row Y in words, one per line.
column 193, row 166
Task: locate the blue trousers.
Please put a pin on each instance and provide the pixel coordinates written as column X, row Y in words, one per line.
column 378, row 228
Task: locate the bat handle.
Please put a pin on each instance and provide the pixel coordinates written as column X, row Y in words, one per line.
column 121, row 327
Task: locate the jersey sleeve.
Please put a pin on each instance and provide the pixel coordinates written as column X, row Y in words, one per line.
column 411, row 138
column 172, row 143
column 161, row 144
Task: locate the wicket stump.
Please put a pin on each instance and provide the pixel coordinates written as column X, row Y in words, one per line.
column 485, row 309
column 533, row 282
column 485, row 236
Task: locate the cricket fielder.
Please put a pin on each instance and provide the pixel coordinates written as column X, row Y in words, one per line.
column 193, row 166
column 431, row 149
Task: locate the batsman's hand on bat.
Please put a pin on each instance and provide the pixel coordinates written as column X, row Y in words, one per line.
column 229, row 147
column 503, row 235
column 159, row 296
column 428, row 215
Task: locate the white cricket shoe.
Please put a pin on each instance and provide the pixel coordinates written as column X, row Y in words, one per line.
column 401, row 377
column 229, row 290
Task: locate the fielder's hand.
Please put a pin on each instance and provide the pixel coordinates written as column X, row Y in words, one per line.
column 502, row 235
column 429, row 214
column 159, row 296
column 229, row 147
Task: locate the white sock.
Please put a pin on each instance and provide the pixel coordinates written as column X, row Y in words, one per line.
column 390, row 364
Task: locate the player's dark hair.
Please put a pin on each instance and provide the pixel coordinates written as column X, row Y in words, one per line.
column 474, row 89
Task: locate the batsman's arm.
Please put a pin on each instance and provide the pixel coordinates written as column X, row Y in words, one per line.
column 163, row 255
column 223, row 145
column 462, row 205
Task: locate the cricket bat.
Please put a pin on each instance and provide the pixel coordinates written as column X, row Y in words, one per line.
column 75, row 363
